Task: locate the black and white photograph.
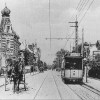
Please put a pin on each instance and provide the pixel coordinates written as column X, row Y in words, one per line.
column 49, row 49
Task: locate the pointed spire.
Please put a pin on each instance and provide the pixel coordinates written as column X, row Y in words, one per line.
column 5, row 4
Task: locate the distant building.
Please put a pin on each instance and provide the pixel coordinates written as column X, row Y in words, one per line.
column 94, row 50
column 9, row 40
column 37, row 52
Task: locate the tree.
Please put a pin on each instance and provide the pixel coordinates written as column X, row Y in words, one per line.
column 26, row 56
column 86, row 51
column 59, row 56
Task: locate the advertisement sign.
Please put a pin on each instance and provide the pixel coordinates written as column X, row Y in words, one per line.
column 75, row 54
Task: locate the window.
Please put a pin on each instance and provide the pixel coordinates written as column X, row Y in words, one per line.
column 8, row 27
column 73, row 63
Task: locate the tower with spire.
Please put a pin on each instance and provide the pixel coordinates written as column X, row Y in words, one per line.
column 9, row 45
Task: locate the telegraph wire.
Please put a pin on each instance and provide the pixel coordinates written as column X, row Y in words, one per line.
column 83, row 8
column 86, row 11
column 80, row 3
column 86, row 2
column 80, row 7
column 76, row 8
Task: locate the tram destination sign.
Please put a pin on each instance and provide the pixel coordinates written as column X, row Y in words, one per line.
column 75, row 54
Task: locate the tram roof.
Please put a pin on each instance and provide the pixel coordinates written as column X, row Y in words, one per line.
column 80, row 57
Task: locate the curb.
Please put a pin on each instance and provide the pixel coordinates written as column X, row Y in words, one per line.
column 94, row 78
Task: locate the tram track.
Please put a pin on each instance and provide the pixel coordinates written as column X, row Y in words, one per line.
column 91, row 89
column 45, row 87
column 76, row 93
column 40, row 87
column 57, row 87
column 85, row 92
column 67, row 92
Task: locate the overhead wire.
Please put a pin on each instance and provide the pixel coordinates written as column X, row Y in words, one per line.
column 83, row 8
column 49, row 24
column 76, row 8
column 86, row 11
column 80, row 3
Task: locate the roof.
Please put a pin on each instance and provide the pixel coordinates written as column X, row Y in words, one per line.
column 73, row 57
column 5, row 11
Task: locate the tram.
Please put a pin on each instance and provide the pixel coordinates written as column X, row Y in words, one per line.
column 72, row 68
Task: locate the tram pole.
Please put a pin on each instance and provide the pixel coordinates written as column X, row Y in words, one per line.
column 76, row 34
column 86, row 73
column 86, row 66
column 82, row 51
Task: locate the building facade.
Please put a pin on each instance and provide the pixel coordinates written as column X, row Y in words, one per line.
column 37, row 52
column 9, row 40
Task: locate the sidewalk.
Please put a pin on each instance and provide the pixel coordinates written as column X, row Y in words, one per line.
column 2, row 81
column 93, row 83
column 2, row 78
column 31, row 85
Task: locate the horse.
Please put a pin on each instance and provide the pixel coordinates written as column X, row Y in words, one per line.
column 17, row 74
column 9, row 70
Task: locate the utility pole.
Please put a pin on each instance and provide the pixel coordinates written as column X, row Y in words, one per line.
column 70, row 47
column 76, row 33
column 82, row 41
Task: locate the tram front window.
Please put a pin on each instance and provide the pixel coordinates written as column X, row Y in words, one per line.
column 73, row 64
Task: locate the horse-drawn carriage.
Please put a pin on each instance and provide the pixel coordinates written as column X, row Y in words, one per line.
column 15, row 72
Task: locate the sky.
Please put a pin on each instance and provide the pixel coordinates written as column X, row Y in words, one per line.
column 30, row 20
